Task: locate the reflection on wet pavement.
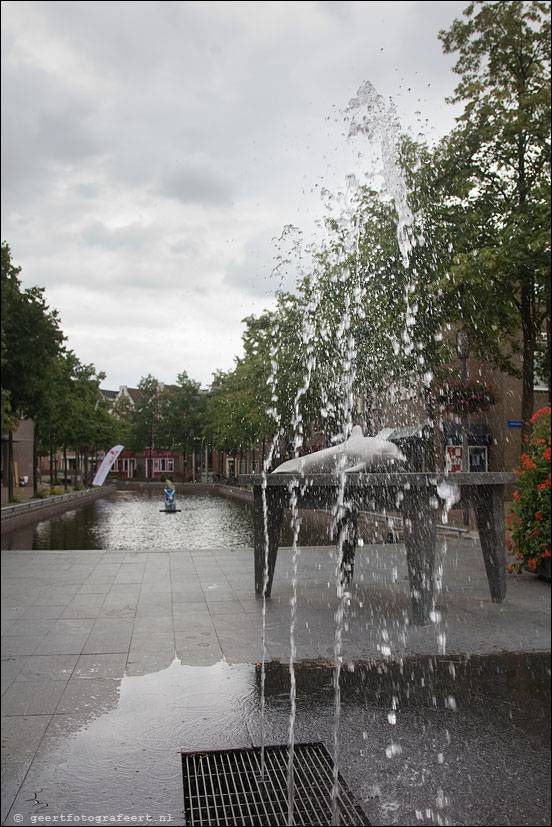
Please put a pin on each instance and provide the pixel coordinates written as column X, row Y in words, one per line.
column 426, row 741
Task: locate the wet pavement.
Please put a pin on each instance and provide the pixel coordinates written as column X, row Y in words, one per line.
column 114, row 662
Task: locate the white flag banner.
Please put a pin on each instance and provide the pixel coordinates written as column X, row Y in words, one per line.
column 108, row 461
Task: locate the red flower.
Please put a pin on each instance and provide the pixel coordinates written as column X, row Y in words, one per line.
column 531, row 516
column 538, row 414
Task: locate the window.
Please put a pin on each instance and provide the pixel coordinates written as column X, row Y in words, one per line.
column 163, row 464
column 478, row 458
column 125, row 466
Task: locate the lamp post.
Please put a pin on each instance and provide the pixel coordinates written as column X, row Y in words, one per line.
column 203, row 458
column 203, row 442
column 200, row 440
column 463, row 351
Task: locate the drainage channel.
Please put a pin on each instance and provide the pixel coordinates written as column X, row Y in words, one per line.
column 227, row 787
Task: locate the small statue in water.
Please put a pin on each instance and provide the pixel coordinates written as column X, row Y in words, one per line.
column 357, row 453
column 170, row 496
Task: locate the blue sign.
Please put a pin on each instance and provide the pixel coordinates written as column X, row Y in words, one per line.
column 514, row 423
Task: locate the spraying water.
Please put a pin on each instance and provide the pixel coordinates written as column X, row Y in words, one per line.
column 336, row 296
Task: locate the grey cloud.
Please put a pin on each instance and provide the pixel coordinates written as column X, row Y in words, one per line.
column 196, row 181
column 132, row 236
column 143, row 140
column 87, row 191
column 257, row 271
column 186, row 247
column 67, row 135
column 46, row 128
column 340, row 9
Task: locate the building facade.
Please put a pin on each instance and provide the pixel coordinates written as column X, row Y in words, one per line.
column 494, row 434
column 22, row 450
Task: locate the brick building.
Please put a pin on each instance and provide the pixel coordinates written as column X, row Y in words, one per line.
column 22, row 448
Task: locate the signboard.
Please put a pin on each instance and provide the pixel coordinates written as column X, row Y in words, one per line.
column 514, row 423
column 108, row 461
column 454, row 458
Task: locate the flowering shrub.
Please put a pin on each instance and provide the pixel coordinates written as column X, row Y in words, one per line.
column 463, row 397
column 529, row 520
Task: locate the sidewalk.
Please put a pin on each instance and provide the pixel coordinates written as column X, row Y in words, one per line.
column 23, row 493
column 115, row 661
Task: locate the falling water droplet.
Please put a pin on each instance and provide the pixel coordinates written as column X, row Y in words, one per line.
column 393, row 749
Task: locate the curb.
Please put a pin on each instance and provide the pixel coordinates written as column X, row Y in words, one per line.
column 14, row 516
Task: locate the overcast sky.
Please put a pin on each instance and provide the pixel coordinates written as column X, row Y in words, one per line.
column 152, row 151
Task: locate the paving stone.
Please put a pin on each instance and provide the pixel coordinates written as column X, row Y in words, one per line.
column 109, row 635
column 21, row 736
column 78, row 667
column 19, row 645
column 100, row 666
column 47, row 668
column 32, row 697
column 95, row 695
column 144, row 663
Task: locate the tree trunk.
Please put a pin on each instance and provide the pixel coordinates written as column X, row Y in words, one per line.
column 65, row 467
column 10, row 466
column 35, row 464
column 528, row 368
column 548, row 352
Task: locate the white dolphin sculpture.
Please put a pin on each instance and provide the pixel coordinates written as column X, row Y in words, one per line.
column 355, row 454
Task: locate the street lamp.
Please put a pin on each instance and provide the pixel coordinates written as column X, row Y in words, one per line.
column 463, row 351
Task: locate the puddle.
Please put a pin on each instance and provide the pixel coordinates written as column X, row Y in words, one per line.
column 432, row 740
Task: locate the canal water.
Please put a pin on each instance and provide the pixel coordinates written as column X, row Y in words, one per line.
column 133, row 520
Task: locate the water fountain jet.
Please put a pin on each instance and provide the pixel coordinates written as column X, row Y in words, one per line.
column 366, row 472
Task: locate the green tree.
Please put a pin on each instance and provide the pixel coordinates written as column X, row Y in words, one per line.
column 494, row 170
column 90, row 427
column 355, row 328
column 74, row 413
column 31, row 342
column 146, row 416
column 54, row 416
column 180, row 415
column 121, row 411
column 240, row 409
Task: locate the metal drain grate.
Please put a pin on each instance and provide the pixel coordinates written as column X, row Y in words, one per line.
column 225, row 787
